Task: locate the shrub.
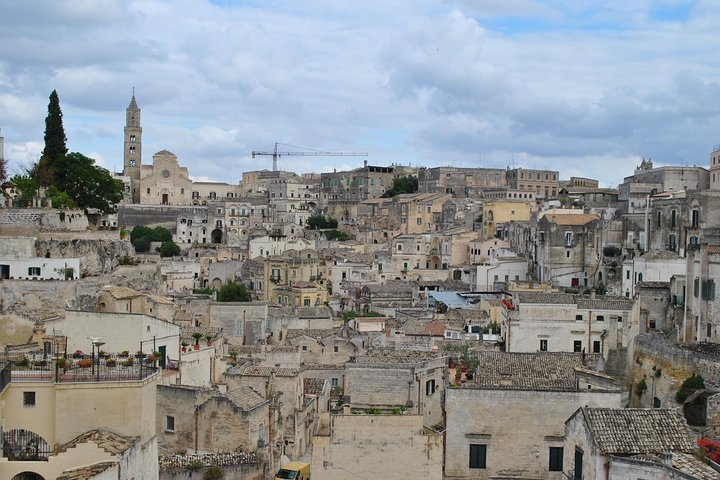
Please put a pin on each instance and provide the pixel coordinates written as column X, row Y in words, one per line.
column 214, row 473
column 692, row 383
column 169, row 249
column 611, row 251
column 372, row 411
column 195, row 465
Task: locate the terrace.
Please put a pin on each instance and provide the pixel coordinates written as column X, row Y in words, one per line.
column 85, row 368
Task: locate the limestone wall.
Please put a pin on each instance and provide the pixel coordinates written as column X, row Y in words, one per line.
column 96, row 256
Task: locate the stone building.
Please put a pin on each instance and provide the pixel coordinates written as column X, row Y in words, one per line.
column 420, row 213
column 165, row 182
column 566, row 249
column 132, row 149
column 387, row 446
column 562, row 322
column 460, row 182
column 651, row 266
column 544, row 183
column 496, row 214
column 537, row 391
column 48, row 433
column 630, row 443
column 384, row 378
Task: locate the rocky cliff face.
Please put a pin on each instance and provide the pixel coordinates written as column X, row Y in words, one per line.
column 96, row 256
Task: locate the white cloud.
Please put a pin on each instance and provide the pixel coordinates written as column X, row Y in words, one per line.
column 571, row 83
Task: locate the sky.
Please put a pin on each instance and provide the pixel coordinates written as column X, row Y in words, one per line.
column 584, row 87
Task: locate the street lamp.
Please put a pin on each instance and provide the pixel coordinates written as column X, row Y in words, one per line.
column 96, row 342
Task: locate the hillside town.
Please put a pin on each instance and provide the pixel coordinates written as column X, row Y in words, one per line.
column 382, row 322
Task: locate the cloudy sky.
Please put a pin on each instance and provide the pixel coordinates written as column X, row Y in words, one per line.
column 580, row 86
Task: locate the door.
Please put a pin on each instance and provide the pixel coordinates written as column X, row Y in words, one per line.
column 164, row 198
column 163, row 350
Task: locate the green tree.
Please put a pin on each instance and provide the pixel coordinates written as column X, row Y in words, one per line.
column 55, row 143
column 60, row 199
column 403, row 184
column 233, row 292
column 335, row 234
column 142, row 244
column 27, row 187
column 319, row 221
column 91, row 186
column 141, row 231
column 161, row 234
column 168, row 249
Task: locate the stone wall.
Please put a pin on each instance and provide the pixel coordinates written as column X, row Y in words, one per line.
column 96, row 256
column 235, row 466
column 164, row 215
column 664, row 366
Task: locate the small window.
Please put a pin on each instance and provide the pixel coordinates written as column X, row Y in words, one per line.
column 169, row 423
column 556, row 459
column 430, row 387
column 578, row 318
column 304, row 348
column 596, row 346
column 543, row 345
column 34, row 271
column 478, row 453
column 336, row 349
column 577, row 346
column 28, row 399
column 600, row 318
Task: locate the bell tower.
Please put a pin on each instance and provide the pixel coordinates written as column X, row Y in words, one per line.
column 132, row 154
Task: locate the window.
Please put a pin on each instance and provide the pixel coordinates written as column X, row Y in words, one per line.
column 673, row 218
column 238, row 328
column 430, row 387
column 577, row 346
column 556, row 459
column 304, row 348
column 28, row 399
column 34, row 271
column 306, row 302
column 627, row 274
column 399, row 247
column 132, row 138
column 696, row 287
column 148, row 191
column 578, row 468
column 578, row 318
column 619, row 319
column 419, row 221
column 543, row 345
column 695, row 218
column 336, row 349
column 600, row 318
column 478, row 454
column 709, row 329
column 659, row 219
column 596, row 346
column 169, row 423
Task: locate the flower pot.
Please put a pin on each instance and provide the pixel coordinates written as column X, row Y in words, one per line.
column 196, row 347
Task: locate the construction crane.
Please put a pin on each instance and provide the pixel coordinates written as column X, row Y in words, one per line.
column 312, row 153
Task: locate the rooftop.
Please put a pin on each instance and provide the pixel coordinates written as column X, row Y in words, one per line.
column 530, row 371
column 630, row 431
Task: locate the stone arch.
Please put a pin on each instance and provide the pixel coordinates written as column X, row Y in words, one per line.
column 457, row 274
column 216, row 283
column 25, row 445
column 216, row 236
column 28, row 476
column 433, row 262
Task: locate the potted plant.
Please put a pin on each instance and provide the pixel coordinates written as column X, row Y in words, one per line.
column 124, row 353
column 84, row 363
column 110, row 362
column 184, row 346
column 62, row 362
column 140, row 354
column 128, row 363
column 197, row 336
column 153, row 357
column 208, row 338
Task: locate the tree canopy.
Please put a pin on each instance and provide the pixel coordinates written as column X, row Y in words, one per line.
column 89, row 185
column 141, row 237
column 55, row 143
column 404, row 184
column 319, row 221
column 169, row 249
column 233, row 292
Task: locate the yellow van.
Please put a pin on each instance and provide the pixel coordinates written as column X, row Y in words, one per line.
column 294, row 471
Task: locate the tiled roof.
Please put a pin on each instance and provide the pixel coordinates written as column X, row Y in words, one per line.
column 653, row 285
column 313, row 386
column 530, row 371
column 245, row 398
column 388, row 356
column 120, row 293
column 604, row 303
column 571, row 219
column 109, row 441
column 638, row 430
column 310, row 332
column 713, row 249
column 690, row 465
column 541, row 297
column 313, row 312
column 586, row 302
column 432, row 328
column 87, row 472
column 258, row 371
column 661, row 255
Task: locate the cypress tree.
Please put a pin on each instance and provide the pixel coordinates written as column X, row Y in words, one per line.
column 55, row 139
